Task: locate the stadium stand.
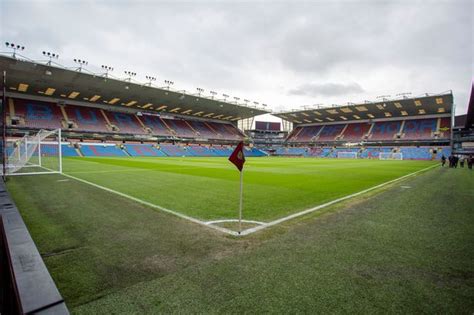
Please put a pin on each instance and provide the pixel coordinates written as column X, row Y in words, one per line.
column 409, row 153
column 220, row 150
column 304, row 134
column 88, row 119
column 254, row 152
column 52, row 150
column 181, row 128
column 203, row 130
column 419, row 129
column 124, row 123
column 186, row 125
column 330, row 132
column 143, row 150
column 227, row 131
column 356, row 132
column 156, row 125
column 35, row 114
column 291, row 151
column 174, row 150
column 101, row 150
column 385, row 130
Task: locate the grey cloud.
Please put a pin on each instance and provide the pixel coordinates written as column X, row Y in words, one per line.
column 326, row 89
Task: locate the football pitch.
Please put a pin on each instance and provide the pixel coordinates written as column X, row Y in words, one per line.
column 404, row 248
column 207, row 189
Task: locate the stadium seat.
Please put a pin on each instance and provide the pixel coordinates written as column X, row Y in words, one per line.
column 181, row 128
column 419, row 129
column 39, row 115
column 385, row 130
column 204, row 130
column 86, row 119
column 355, row 132
column 304, row 134
column 291, row 151
column 143, row 150
column 174, row 150
column 227, row 131
column 126, row 123
column 330, row 132
column 101, row 150
column 156, row 125
column 417, row 153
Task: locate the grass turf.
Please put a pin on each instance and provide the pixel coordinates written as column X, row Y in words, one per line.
column 403, row 250
column 207, row 188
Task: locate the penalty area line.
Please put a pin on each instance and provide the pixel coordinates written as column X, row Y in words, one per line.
column 310, row 210
column 149, row 204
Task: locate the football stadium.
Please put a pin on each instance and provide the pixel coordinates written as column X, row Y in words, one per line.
column 125, row 195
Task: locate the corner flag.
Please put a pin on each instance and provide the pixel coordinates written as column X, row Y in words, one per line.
column 237, row 157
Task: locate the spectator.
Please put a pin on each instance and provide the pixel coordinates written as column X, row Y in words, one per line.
column 443, row 160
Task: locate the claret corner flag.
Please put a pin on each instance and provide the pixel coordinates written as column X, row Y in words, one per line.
column 237, row 157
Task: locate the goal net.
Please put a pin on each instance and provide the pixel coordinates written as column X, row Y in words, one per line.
column 347, row 155
column 390, row 156
column 34, row 154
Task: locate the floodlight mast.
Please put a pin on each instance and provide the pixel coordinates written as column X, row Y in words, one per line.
column 200, row 91
column 150, row 80
column 50, row 56
column 81, row 64
column 129, row 75
column 14, row 47
column 169, row 83
column 107, row 69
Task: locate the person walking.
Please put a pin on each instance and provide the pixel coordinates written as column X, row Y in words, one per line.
column 443, row 160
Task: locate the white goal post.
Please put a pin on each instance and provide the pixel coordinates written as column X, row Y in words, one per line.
column 347, row 155
column 36, row 154
column 390, row 156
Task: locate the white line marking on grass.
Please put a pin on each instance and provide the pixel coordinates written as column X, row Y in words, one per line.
column 304, row 212
column 234, row 220
column 149, row 204
column 261, row 225
column 62, row 180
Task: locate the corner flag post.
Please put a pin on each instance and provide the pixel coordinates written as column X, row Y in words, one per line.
column 238, row 159
column 241, row 197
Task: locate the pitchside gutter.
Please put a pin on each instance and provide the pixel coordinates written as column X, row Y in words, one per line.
column 261, row 225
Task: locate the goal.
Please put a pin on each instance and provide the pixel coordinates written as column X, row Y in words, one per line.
column 390, row 156
column 34, row 154
column 347, row 155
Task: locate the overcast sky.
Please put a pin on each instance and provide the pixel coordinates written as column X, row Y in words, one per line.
column 285, row 54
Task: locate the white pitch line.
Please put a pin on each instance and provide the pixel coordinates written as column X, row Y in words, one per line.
column 235, row 220
column 146, row 203
column 304, row 212
column 262, row 225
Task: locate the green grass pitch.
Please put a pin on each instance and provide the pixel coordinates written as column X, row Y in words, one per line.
column 208, row 188
column 406, row 248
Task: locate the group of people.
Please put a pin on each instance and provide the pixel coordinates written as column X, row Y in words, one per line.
column 455, row 160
